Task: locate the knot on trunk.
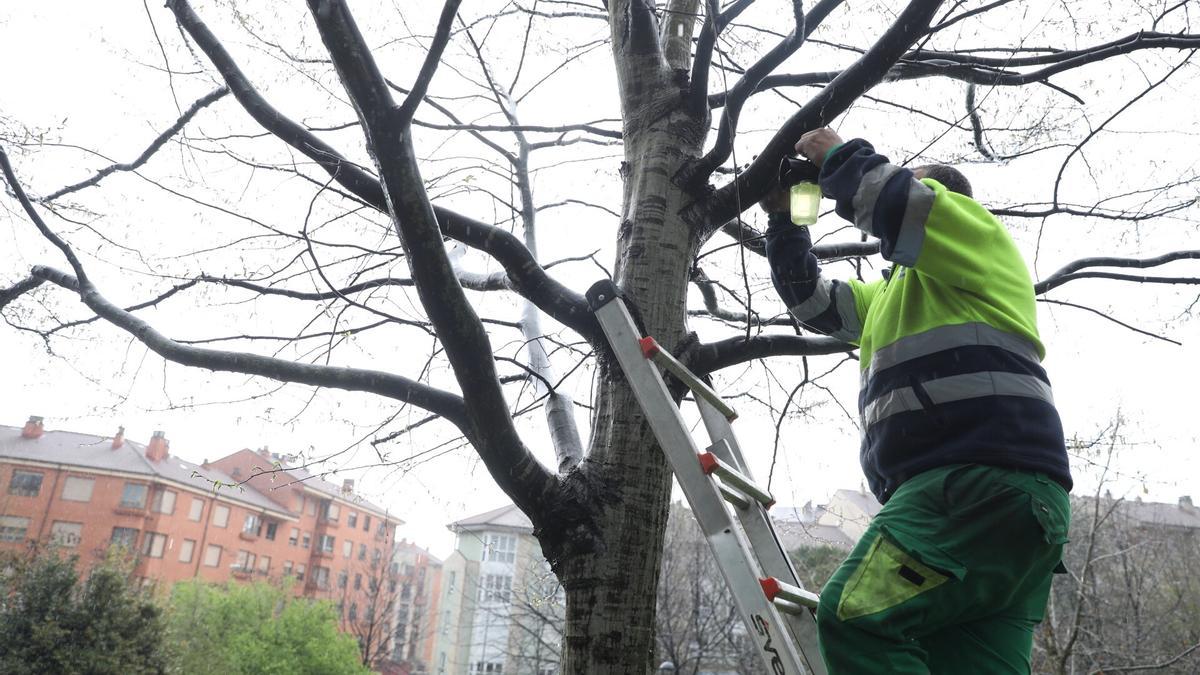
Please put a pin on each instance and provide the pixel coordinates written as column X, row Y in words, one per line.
column 568, row 522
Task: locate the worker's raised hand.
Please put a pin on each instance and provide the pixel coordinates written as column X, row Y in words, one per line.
column 817, row 143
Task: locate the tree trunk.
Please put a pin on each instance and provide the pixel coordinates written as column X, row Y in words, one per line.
column 611, row 593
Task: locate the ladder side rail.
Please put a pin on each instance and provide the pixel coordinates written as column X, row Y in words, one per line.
column 719, row 429
column 764, row 622
column 756, row 523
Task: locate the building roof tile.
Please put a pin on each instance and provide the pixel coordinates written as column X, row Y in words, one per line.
column 87, row 451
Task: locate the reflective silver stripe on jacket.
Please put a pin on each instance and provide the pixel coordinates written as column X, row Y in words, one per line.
column 842, row 297
column 947, row 337
column 816, row 303
column 852, row 327
column 911, row 237
column 868, row 193
column 957, row 388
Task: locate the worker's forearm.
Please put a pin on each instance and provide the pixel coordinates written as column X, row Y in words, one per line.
column 817, row 303
column 794, row 269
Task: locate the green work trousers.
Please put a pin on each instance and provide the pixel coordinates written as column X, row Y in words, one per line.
column 951, row 576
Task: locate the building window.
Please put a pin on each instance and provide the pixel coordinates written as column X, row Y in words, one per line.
column 500, row 548
column 381, row 531
column 306, row 540
column 362, row 551
column 312, row 507
column 320, row 577
column 196, row 510
column 300, row 569
column 272, row 528
column 445, row 626
column 252, row 524
column 125, row 537
column 325, row 543
column 358, row 582
column 329, row 510
column 245, row 561
column 376, row 556
column 78, row 489
column 347, row 548
column 264, row 564
column 25, row 484
column 495, row 588
column 186, row 549
column 352, row 519
column 153, row 544
column 164, row 501
column 343, row 577
column 287, row 567
column 13, row 528
column 354, row 611
column 220, row 516
column 488, row 667
column 134, row 496
column 366, row 523
column 67, row 535
column 212, row 555
column 294, row 537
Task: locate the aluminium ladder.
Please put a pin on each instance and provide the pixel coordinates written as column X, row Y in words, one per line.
column 777, row 610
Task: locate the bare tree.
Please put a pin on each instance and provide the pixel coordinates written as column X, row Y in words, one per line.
column 699, row 629
column 366, row 592
column 537, row 620
column 1130, row 601
column 365, row 250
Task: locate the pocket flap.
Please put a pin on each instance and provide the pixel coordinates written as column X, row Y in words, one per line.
column 926, row 553
column 1054, row 521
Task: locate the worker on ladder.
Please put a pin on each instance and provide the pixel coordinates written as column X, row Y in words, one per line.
column 961, row 441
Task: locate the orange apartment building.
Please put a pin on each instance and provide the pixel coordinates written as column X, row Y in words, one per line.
column 249, row 515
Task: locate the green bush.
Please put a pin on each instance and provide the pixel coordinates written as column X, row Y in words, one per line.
column 256, row 629
column 51, row 621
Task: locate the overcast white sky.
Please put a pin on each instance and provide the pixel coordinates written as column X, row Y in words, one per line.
column 90, row 75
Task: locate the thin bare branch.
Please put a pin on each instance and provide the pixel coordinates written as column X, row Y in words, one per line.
column 441, row 37
column 833, row 99
column 18, row 289
column 529, row 278
column 155, row 145
column 466, row 343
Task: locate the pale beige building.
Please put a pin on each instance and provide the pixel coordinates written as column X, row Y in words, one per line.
column 500, row 608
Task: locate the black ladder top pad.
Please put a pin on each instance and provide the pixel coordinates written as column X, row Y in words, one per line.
column 601, row 293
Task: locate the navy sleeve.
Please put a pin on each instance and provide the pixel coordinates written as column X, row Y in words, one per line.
column 818, row 304
column 880, row 198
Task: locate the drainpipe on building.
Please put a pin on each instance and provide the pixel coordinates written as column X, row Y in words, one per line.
column 203, row 536
column 49, row 502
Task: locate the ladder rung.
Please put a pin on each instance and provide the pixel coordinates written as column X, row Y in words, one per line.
column 733, row 497
column 652, row 351
column 711, row 464
column 788, row 607
column 777, row 591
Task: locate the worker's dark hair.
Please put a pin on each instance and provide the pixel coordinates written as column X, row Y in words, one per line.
column 949, row 176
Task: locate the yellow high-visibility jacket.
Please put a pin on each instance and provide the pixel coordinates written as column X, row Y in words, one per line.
column 949, row 350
